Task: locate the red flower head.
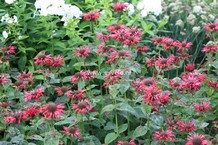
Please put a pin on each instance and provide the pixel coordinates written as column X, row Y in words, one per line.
column 82, row 51
column 157, row 41
column 10, row 49
column 31, row 112
column 104, row 49
column 25, row 76
column 90, row 74
column 164, row 98
column 151, row 62
column 62, row 90
column 131, row 142
column 73, row 131
column 112, row 77
column 34, row 94
column 102, row 37
column 176, row 83
column 3, row 79
column 20, row 84
column 152, row 95
column 120, row 6
column 83, row 106
column 52, row 110
column 210, row 48
column 213, row 84
column 116, row 27
column 190, row 67
column 91, row 16
column 57, row 61
column 192, row 80
column 76, row 94
column 142, row 49
column 186, row 127
column 212, row 27
column 196, row 139
column 182, row 45
column 14, row 117
column 163, row 63
column 42, row 59
column 167, row 43
column 78, row 76
column 202, row 107
column 167, row 135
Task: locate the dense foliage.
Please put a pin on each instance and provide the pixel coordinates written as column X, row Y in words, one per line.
column 107, row 72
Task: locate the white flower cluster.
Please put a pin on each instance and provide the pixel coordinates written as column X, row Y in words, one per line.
column 130, row 9
column 59, row 8
column 153, row 6
column 10, row 20
column 9, row 1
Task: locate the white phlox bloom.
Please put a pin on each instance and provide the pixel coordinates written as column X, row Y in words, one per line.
column 59, row 8
column 10, row 20
column 5, row 34
column 9, row 1
column 147, row 6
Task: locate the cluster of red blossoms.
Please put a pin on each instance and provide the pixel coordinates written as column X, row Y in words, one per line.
column 168, row 43
column 43, row 59
column 210, row 48
column 82, row 51
column 120, row 6
column 189, row 82
column 112, row 77
column 82, row 75
column 122, row 34
column 211, row 27
column 6, row 52
column 91, row 15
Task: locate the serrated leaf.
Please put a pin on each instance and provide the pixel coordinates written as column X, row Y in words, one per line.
column 109, row 107
column 126, row 107
column 140, row 131
column 123, row 127
column 68, row 120
column 110, row 137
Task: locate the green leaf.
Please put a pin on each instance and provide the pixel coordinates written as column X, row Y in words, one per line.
column 123, row 127
column 36, row 137
column 110, row 126
column 126, row 107
column 39, row 77
column 22, row 62
column 139, row 131
column 109, row 107
column 110, row 137
column 123, row 88
column 66, row 79
column 113, row 90
column 68, row 120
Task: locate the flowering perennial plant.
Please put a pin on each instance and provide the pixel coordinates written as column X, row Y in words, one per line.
column 105, row 73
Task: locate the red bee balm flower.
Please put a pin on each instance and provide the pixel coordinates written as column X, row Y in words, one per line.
column 31, row 111
column 34, row 94
column 91, row 16
column 212, row 27
column 82, row 51
column 78, row 76
column 62, row 90
column 190, row 67
column 182, row 45
column 73, row 131
column 213, row 84
column 197, row 140
column 77, row 94
column 83, row 106
column 25, row 76
column 142, row 49
column 42, row 59
column 210, row 48
column 120, row 6
column 14, row 117
column 126, row 143
column 52, row 110
column 202, row 107
column 186, row 127
column 167, row 135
